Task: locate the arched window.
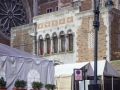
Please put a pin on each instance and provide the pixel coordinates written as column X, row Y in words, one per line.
column 62, row 36
column 33, row 76
column 48, row 44
column 41, row 45
column 70, row 40
column 55, row 43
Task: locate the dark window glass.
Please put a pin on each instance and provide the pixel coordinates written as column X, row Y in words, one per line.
column 48, row 45
column 41, row 46
column 50, row 10
column 56, row 8
column 63, row 43
column 55, row 44
column 70, row 37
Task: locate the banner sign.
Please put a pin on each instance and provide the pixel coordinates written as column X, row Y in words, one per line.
column 78, row 75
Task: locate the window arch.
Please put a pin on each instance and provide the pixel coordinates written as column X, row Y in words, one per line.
column 33, row 75
column 48, row 43
column 55, row 42
column 62, row 37
column 70, row 40
column 41, row 45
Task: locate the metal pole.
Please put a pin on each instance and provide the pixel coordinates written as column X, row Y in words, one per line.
column 96, row 27
column 84, row 76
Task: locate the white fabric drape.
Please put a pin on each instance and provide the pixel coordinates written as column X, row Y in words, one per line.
column 16, row 64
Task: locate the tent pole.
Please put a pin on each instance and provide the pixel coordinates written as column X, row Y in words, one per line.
column 112, row 83
column 102, row 84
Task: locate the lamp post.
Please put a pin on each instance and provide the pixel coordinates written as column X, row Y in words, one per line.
column 96, row 25
column 109, row 5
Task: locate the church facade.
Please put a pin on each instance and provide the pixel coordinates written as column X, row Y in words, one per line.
column 62, row 30
column 67, row 35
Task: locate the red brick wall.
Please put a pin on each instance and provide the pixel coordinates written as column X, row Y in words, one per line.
column 4, row 41
column 115, row 50
column 86, row 5
column 65, row 1
column 43, row 1
column 85, row 53
column 43, row 7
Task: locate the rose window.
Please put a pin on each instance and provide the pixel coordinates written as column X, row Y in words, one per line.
column 12, row 14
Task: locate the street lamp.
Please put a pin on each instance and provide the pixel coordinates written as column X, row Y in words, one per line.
column 109, row 4
column 96, row 25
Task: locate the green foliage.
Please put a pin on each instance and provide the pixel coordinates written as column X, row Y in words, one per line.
column 20, row 84
column 17, row 84
column 47, row 86
column 2, row 82
column 23, row 84
column 50, row 86
column 53, row 86
column 37, row 85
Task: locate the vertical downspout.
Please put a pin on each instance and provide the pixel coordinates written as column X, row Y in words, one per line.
column 112, row 82
column 35, row 7
column 35, row 38
column 108, row 38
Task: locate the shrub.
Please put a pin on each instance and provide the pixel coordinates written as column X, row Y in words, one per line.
column 20, row 84
column 50, row 86
column 2, row 82
column 23, row 84
column 37, row 85
column 17, row 84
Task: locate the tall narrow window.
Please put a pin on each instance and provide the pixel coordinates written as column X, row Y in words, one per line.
column 62, row 36
column 70, row 36
column 55, row 43
column 48, row 44
column 70, row 40
column 49, row 10
column 41, row 45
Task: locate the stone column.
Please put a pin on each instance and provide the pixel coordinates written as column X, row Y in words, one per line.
column 45, row 46
column 38, row 46
column 73, row 41
column 51, row 45
column 59, row 44
column 66, row 43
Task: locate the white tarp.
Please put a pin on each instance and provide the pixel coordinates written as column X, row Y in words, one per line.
column 16, row 64
column 67, row 69
column 104, row 68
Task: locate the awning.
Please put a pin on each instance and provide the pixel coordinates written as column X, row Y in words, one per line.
column 104, row 68
column 67, row 69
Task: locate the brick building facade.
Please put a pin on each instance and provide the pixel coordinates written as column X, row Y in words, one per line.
column 56, row 22
column 38, row 7
column 71, row 21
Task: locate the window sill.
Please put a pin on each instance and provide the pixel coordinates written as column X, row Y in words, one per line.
column 45, row 55
column 70, row 51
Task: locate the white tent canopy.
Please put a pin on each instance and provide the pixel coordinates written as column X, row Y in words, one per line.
column 9, row 51
column 103, row 68
column 17, row 64
column 67, row 69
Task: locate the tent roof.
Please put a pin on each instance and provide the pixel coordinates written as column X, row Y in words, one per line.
column 67, row 69
column 9, row 51
column 104, row 68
